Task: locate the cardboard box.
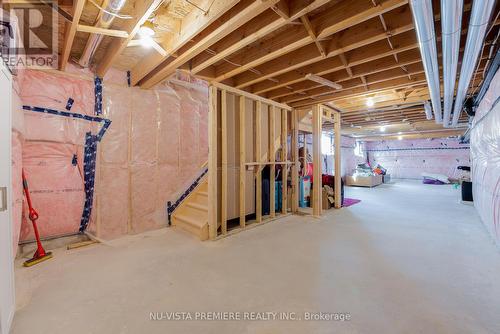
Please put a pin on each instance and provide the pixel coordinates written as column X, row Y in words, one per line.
column 364, row 181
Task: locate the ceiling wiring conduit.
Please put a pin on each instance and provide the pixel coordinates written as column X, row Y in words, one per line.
column 480, row 16
column 451, row 24
column 423, row 18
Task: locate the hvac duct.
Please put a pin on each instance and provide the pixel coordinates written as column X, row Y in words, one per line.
column 107, row 17
column 451, row 24
column 428, row 110
column 423, row 18
column 480, row 16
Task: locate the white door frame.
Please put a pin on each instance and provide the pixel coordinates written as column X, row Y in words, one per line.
column 7, row 297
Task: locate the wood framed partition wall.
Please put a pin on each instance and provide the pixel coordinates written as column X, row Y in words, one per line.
column 321, row 113
column 247, row 133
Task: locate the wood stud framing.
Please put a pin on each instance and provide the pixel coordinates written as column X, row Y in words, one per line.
column 242, row 126
column 212, row 163
column 284, row 158
column 317, row 114
column 221, row 108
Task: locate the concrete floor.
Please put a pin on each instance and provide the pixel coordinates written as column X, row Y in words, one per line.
column 408, row 259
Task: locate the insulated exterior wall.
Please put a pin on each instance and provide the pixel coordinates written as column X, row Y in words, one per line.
column 151, row 153
column 49, row 146
column 349, row 158
column 485, row 153
column 407, row 159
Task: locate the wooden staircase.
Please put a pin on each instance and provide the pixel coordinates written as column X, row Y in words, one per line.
column 192, row 213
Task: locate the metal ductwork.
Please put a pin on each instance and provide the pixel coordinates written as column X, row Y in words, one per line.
column 423, row 18
column 451, row 25
column 480, row 16
column 114, row 7
column 428, row 110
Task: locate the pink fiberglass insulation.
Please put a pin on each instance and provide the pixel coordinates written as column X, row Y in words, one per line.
column 153, row 134
column 152, row 152
column 407, row 159
column 485, row 153
column 17, row 187
column 50, row 144
column 55, row 186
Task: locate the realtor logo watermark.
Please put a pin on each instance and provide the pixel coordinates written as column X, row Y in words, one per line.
column 248, row 316
column 29, row 33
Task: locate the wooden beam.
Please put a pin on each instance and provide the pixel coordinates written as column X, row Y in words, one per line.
column 310, row 30
column 357, row 56
column 223, row 122
column 212, row 162
column 190, row 26
column 395, row 72
column 250, row 95
column 359, row 71
column 245, row 35
column 317, row 187
column 242, row 127
column 394, row 83
column 350, row 39
column 143, row 10
column 284, row 157
column 70, row 32
column 237, row 20
column 252, row 31
column 272, row 158
column 349, row 13
column 295, row 160
column 295, row 38
column 338, row 159
column 102, row 31
column 258, row 158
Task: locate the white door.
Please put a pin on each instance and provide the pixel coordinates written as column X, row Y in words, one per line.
column 6, row 259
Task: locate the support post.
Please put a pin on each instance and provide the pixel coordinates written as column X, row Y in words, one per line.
column 317, row 191
column 212, row 163
column 338, row 173
column 242, row 161
column 295, row 159
column 284, row 158
column 258, row 158
column 272, row 158
column 223, row 189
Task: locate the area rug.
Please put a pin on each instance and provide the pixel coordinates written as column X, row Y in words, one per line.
column 350, row 201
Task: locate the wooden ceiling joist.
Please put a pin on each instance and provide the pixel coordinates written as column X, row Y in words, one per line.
column 361, row 39
column 191, row 25
column 70, row 33
column 237, row 20
column 371, row 79
column 252, row 31
column 143, row 10
column 417, row 80
column 359, row 71
column 291, row 40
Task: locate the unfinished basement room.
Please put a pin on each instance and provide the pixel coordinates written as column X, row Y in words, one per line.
column 249, row 166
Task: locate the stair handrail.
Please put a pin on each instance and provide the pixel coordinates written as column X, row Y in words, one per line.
column 172, row 207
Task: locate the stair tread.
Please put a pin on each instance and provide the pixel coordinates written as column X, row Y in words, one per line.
column 197, row 206
column 204, row 193
column 191, row 220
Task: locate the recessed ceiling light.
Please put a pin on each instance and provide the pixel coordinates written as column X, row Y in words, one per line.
column 400, row 137
column 382, row 129
column 370, row 102
column 147, row 29
column 146, row 41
